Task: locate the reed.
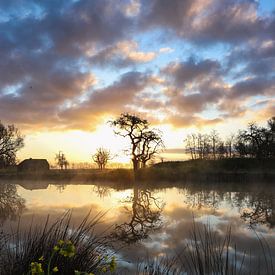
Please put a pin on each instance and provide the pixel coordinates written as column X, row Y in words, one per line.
column 20, row 249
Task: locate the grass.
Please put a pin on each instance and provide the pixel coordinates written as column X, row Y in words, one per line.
column 207, row 253
column 19, row 250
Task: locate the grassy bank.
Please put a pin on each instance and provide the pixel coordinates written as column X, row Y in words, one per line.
column 224, row 170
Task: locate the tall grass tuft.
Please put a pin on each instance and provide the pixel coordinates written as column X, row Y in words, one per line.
column 20, row 249
column 205, row 252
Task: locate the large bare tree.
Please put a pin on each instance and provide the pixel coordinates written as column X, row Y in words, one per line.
column 144, row 142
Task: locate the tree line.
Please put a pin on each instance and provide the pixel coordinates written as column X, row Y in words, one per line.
column 146, row 142
column 253, row 142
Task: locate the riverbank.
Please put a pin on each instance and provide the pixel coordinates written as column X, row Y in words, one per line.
column 224, row 170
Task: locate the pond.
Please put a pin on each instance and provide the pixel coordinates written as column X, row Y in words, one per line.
column 152, row 223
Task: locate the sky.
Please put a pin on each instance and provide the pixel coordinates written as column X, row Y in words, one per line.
column 69, row 67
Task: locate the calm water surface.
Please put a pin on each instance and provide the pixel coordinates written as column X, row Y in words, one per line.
column 161, row 219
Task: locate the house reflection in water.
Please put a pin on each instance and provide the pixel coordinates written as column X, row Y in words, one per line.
column 34, row 185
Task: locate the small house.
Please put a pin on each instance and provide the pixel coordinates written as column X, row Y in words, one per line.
column 33, row 166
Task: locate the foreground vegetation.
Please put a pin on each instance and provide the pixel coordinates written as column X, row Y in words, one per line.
column 59, row 247
column 62, row 248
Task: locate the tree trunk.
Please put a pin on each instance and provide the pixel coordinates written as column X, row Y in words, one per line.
column 135, row 164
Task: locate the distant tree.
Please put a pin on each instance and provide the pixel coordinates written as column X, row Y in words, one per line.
column 10, row 142
column 198, row 146
column 214, row 138
column 229, row 144
column 144, row 142
column 221, row 150
column 253, row 142
column 61, row 160
column 101, row 157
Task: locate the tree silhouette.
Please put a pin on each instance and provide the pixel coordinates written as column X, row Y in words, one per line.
column 61, row 160
column 253, row 142
column 145, row 215
column 145, row 143
column 101, row 157
column 10, row 142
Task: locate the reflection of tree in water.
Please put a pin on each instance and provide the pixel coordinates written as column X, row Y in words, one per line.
column 204, row 198
column 145, row 217
column 60, row 187
column 102, row 191
column 11, row 204
column 254, row 208
column 260, row 210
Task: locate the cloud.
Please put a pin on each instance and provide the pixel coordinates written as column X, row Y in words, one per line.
column 42, row 51
column 205, row 21
column 122, row 54
column 53, row 53
column 166, row 50
column 110, row 100
column 182, row 73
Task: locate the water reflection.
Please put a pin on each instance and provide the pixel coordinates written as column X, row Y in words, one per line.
column 254, row 208
column 34, row 185
column 140, row 212
column 102, row 191
column 11, row 204
column 60, row 187
column 145, row 216
column 260, row 210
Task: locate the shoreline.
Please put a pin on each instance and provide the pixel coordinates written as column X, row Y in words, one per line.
column 201, row 171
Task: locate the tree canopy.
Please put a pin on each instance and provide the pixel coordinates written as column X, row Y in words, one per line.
column 10, row 142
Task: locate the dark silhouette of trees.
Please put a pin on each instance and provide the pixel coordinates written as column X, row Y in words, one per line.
column 145, row 143
column 10, row 142
column 257, row 142
column 214, row 138
column 253, row 142
column 145, row 217
column 101, row 157
column 61, row 160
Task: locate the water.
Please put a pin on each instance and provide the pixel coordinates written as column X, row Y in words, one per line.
column 150, row 222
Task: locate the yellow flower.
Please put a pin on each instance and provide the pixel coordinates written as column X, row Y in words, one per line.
column 55, row 269
column 60, row 242
column 56, row 248
column 41, row 258
column 36, row 269
column 67, row 249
